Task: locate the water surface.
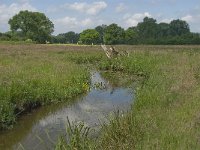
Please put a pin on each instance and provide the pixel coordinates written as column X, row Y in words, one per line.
column 40, row 128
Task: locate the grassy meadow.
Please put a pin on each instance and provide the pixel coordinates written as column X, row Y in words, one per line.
column 165, row 114
column 34, row 75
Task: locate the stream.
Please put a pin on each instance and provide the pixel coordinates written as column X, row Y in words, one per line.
column 41, row 128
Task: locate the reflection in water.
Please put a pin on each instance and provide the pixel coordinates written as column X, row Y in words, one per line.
column 40, row 129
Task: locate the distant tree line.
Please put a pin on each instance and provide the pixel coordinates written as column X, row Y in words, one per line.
column 146, row 32
column 69, row 37
column 37, row 27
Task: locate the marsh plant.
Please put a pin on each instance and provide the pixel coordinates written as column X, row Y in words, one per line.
column 76, row 137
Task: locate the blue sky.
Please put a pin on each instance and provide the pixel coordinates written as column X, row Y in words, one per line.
column 76, row 16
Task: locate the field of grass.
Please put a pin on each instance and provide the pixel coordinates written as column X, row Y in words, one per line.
column 34, row 75
column 165, row 114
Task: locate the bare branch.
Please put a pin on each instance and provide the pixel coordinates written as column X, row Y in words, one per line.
column 112, row 52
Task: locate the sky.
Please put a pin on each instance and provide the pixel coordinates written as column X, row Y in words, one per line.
column 79, row 15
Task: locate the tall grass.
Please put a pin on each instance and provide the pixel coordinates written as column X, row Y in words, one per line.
column 77, row 137
column 165, row 114
column 30, row 78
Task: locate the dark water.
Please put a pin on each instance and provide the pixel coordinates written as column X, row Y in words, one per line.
column 41, row 128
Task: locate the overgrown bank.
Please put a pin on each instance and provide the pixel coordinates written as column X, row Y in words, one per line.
column 35, row 75
column 166, row 112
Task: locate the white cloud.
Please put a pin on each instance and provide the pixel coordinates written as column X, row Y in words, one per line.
column 132, row 20
column 167, row 20
column 91, row 9
column 87, row 22
column 6, row 12
column 70, row 22
column 120, row 7
column 194, row 20
column 188, row 18
column 78, row 6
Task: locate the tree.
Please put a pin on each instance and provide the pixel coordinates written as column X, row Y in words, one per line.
column 179, row 27
column 89, row 36
column 60, row 38
column 5, row 36
column 114, row 34
column 71, row 37
column 34, row 25
column 163, row 30
column 101, row 30
column 131, row 35
column 147, row 29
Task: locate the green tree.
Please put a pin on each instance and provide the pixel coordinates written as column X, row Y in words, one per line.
column 71, row 37
column 89, row 36
column 163, row 30
column 5, row 37
column 179, row 27
column 60, row 38
column 114, row 34
column 101, row 29
column 131, row 35
column 34, row 25
column 147, row 29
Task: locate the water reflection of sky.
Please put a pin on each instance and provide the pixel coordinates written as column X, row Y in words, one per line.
column 92, row 108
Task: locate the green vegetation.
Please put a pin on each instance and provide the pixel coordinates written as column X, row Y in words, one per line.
column 69, row 37
column 90, row 36
column 146, row 32
column 114, row 34
column 30, row 77
column 101, row 29
column 78, row 135
column 33, row 25
column 165, row 114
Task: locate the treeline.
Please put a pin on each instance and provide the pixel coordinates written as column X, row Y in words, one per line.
column 146, row 32
column 64, row 38
column 35, row 26
column 11, row 36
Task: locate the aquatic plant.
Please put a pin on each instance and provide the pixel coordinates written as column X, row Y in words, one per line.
column 76, row 137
